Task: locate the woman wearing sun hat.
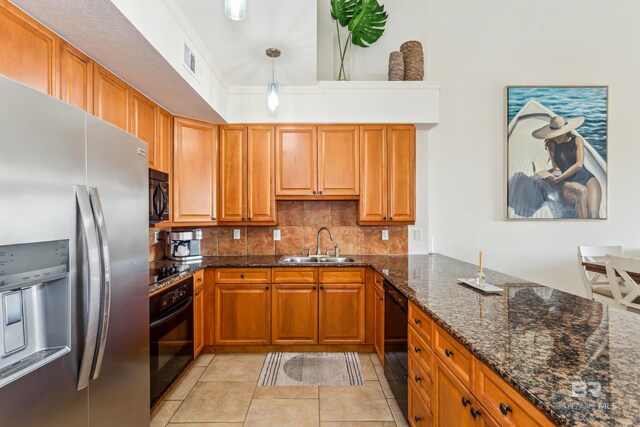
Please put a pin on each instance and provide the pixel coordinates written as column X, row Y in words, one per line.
column 566, row 150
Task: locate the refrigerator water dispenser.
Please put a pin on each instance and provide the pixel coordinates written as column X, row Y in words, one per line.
column 34, row 307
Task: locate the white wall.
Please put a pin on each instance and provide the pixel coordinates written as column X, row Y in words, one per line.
column 477, row 48
column 405, row 22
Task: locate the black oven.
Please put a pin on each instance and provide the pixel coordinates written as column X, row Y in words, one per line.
column 158, row 196
column 395, row 345
column 171, row 318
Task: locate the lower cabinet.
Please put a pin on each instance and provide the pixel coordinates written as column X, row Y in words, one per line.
column 294, row 313
column 242, row 314
column 198, row 320
column 379, row 321
column 453, row 402
column 419, row 413
column 342, row 313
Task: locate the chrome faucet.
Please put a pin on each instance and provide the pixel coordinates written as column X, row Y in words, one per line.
column 318, row 238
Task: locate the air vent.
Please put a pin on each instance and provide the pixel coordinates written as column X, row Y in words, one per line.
column 189, row 59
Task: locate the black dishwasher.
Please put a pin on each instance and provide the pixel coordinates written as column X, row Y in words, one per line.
column 395, row 344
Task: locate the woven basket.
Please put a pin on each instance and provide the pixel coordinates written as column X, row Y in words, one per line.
column 396, row 66
column 413, row 60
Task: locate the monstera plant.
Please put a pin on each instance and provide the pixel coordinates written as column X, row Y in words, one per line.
column 365, row 21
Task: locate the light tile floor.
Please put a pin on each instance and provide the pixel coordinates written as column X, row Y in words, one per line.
column 221, row 391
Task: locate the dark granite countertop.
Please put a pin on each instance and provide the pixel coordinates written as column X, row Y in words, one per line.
column 546, row 343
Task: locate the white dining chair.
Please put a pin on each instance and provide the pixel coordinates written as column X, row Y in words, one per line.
column 597, row 285
column 626, row 290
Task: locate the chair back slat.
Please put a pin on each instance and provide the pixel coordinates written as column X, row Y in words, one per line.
column 590, row 279
column 622, row 268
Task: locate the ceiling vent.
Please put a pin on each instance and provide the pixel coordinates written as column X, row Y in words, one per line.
column 189, row 60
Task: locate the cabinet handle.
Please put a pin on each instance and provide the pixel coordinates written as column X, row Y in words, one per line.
column 465, row 401
column 448, row 352
column 418, row 379
column 199, row 279
column 198, row 293
column 242, row 276
column 390, row 218
column 249, row 219
column 385, row 218
column 213, row 218
column 319, row 192
column 267, row 287
column 416, row 349
column 418, row 321
column 315, row 287
column 417, row 419
column 314, row 192
column 243, row 218
column 321, row 287
column 505, row 408
column 381, row 299
column 475, row 413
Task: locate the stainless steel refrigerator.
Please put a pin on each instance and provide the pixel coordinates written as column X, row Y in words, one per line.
column 74, row 313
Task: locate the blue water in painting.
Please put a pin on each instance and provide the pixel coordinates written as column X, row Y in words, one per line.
column 569, row 102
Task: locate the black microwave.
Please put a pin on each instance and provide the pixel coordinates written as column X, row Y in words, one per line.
column 158, row 196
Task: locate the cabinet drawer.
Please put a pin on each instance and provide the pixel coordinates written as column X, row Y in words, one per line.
column 420, row 380
column 198, row 279
column 504, row 403
column 378, row 281
column 421, row 322
column 421, row 351
column 341, row 275
column 419, row 413
column 453, row 354
column 242, row 275
column 294, row 275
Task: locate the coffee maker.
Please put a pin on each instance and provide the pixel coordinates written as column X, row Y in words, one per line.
column 184, row 246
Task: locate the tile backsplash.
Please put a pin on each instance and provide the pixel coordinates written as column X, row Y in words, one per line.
column 298, row 223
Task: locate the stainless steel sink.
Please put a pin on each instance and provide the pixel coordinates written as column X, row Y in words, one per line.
column 298, row 259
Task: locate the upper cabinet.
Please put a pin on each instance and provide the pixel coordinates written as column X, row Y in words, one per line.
column 246, row 168
column 296, row 161
column 111, row 98
column 338, row 161
column 28, row 50
column 387, row 173
column 194, row 172
column 317, row 161
column 76, row 78
column 142, row 121
column 163, row 147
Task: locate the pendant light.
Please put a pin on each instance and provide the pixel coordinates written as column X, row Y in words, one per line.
column 273, row 87
column 236, row 10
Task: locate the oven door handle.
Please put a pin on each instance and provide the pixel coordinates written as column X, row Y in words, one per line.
column 173, row 313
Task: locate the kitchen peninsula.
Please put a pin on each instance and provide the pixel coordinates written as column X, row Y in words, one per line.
column 573, row 359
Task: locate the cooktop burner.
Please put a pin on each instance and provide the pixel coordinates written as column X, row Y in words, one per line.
column 161, row 270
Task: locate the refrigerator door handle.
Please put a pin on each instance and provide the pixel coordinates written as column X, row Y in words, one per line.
column 93, row 295
column 106, row 279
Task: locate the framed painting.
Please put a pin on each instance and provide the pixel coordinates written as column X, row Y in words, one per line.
column 557, row 152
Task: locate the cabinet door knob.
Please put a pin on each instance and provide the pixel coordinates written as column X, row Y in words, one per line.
column 475, row 412
column 385, row 218
column 213, row 218
column 390, row 218
column 199, row 279
column 416, row 349
column 243, row 218
column 418, row 321
column 448, row 352
column 417, row 419
column 249, row 219
column 242, row 276
column 267, row 287
column 319, row 192
column 381, row 299
column 314, row 192
column 321, row 287
column 465, row 401
column 505, row 408
column 198, row 293
column 315, row 287
column 418, row 379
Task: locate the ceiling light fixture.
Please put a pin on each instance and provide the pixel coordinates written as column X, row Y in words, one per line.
column 273, row 87
column 236, row 10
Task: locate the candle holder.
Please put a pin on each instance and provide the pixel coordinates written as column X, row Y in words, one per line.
column 480, row 278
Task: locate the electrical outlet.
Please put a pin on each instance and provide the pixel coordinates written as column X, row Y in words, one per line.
column 385, row 234
column 156, row 236
column 236, row 234
column 417, row 235
column 276, row 235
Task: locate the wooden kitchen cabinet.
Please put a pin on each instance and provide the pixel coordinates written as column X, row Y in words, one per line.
column 111, row 98
column 296, row 161
column 142, row 122
column 199, row 291
column 76, row 77
column 338, row 160
column 243, row 314
column 246, row 167
column 342, row 313
column 452, row 400
column 294, row 316
column 387, row 174
column 163, row 145
column 419, row 413
column 29, row 52
column 379, row 323
column 194, row 172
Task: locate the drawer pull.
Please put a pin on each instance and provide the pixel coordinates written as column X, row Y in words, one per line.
column 448, row 352
column 417, row 419
column 314, row 287
column 418, row 379
column 418, row 321
column 505, row 409
column 475, row 413
column 465, row 401
column 242, row 276
column 199, row 279
column 416, row 349
column 321, row 287
column 267, row 287
column 198, row 293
